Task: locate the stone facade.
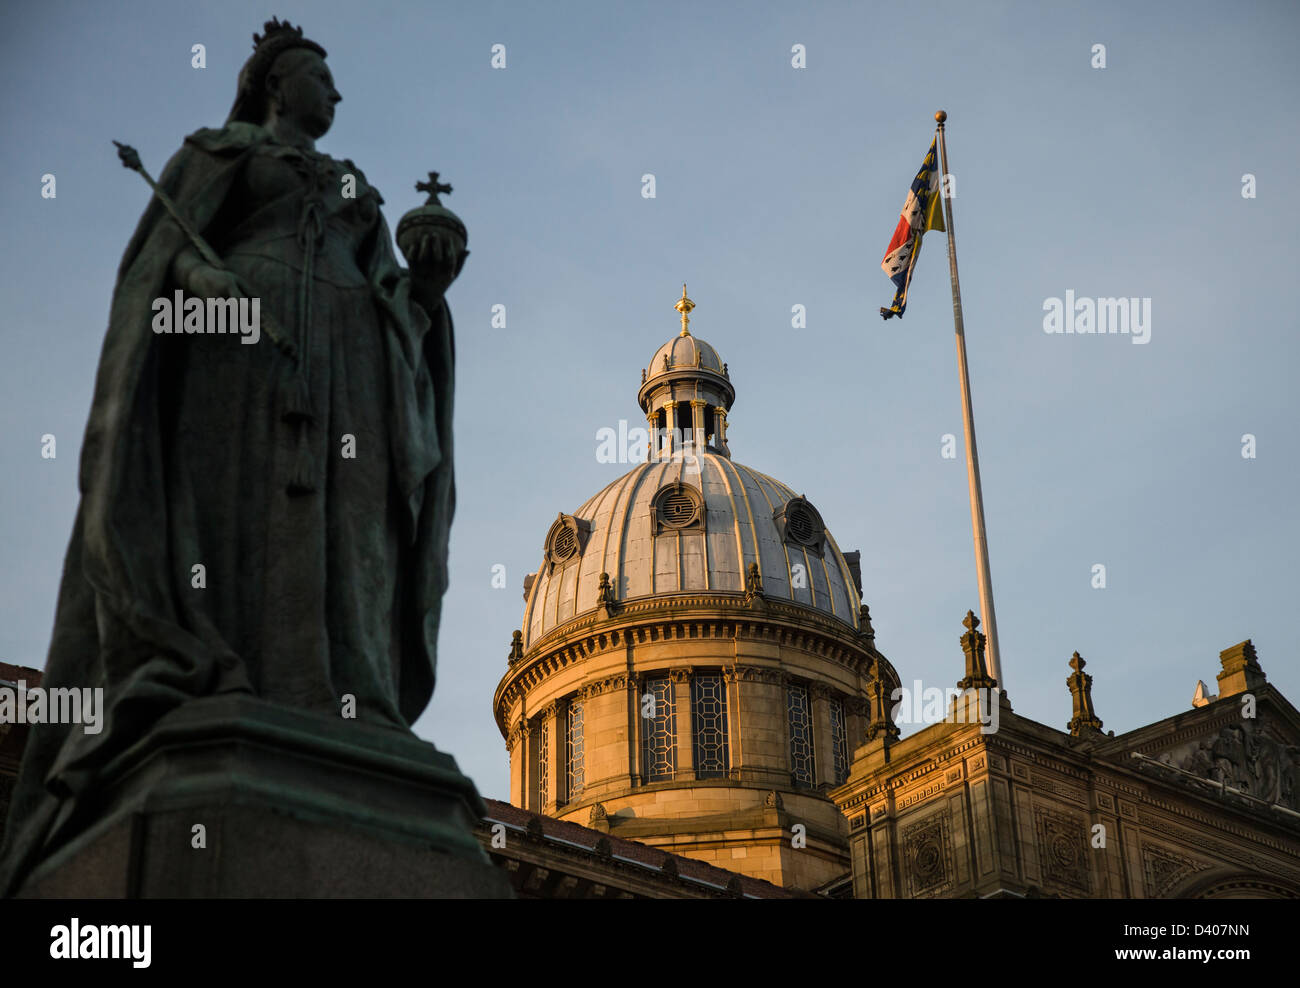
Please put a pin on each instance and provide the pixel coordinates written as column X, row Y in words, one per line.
column 1199, row 805
column 552, row 859
column 744, row 819
column 1204, row 804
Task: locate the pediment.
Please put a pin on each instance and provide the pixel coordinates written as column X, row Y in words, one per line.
column 1217, row 748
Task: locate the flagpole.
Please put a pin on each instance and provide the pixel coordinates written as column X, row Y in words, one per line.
column 968, row 416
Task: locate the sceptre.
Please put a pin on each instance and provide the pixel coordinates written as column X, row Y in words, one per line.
column 131, row 159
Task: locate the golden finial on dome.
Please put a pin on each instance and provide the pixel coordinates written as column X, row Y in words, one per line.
column 684, row 306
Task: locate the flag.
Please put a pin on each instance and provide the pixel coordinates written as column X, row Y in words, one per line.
column 922, row 211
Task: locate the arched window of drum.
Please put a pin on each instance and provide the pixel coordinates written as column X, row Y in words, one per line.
column 543, row 761
column 709, row 715
column 575, row 754
column 658, row 731
column 839, row 741
column 798, row 710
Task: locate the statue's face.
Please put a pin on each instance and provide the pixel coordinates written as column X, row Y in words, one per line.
column 304, row 89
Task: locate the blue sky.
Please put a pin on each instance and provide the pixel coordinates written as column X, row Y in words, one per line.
column 775, row 186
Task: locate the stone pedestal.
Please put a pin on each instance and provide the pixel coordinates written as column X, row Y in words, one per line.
column 291, row 804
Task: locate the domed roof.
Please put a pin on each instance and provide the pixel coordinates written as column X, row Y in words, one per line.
column 682, row 353
column 685, row 374
column 686, row 524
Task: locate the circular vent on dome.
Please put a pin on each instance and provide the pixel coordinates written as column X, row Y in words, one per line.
column 564, row 545
column 801, row 524
column 566, row 539
column 677, row 506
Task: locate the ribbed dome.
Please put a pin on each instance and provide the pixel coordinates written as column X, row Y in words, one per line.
column 681, row 353
column 689, row 524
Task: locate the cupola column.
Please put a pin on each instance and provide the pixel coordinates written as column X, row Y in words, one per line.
column 699, row 437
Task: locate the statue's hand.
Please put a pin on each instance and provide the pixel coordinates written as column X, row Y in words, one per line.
column 435, row 261
column 207, row 281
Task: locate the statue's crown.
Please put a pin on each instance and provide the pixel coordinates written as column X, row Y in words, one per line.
column 277, row 29
column 277, row 37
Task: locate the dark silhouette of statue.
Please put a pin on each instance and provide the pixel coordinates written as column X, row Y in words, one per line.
column 267, row 519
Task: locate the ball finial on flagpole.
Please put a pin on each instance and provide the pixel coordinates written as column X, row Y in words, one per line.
column 941, row 116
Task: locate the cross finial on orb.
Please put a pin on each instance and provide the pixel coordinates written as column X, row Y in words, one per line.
column 433, row 187
column 684, row 306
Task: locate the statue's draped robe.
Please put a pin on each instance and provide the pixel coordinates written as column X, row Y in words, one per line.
column 186, row 463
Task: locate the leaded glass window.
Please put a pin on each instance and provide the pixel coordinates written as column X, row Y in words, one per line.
column 839, row 741
column 659, row 730
column 574, row 761
column 798, row 709
column 709, row 713
column 543, row 761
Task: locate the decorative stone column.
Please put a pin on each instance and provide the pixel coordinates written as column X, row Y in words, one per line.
column 762, row 724
column 670, row 413
column 699, row 436
column 823, row 744
column 855, row 722
column 685, row 741
column 737, row 753
column 608, row 713
column 517, row 745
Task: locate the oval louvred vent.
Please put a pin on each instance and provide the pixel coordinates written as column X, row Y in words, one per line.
column 677, row 508
column 800, row 525
column 565, row 543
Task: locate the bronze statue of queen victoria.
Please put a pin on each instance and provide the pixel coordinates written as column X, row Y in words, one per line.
column 269, row 519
